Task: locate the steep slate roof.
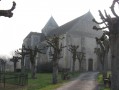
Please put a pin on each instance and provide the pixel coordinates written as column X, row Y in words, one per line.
column 51, row 24
column 64, row 28
column 84, row 27
column 79, row 23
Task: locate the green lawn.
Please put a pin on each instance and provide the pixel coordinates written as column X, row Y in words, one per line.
column 43, row 82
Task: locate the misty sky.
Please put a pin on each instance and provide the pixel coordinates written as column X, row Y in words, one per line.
column 32, row 15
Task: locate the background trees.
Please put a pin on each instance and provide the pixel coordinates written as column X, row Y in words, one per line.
column 80, row 57
column 73, row 49
column 15, row 59
column 31, row 52
column 3, row 61
column 102, row 53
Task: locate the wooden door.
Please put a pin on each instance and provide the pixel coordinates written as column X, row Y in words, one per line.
column 90, row 65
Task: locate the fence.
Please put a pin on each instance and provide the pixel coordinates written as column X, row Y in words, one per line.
column 13, row 79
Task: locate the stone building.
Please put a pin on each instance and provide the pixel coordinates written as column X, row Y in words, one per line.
column 76, row 32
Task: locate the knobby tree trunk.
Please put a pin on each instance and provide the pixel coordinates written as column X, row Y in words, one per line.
column 73, row 66
column 33, row 71
column 114, row 41
column 74, row 60
column 55, row 72
column 80, row 69
column 104, row 73
column 105, row 66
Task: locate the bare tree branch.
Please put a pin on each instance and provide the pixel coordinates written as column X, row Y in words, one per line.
column 8, row 13
column 112, row 8
column 95, row 28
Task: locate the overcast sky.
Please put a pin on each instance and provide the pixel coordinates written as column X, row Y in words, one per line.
column 32, row 15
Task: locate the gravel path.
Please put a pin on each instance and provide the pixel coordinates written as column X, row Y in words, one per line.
column 86, row 81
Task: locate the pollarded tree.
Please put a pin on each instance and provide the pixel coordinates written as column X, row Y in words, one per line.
column 15, row 59
column 80, row 57
column 2, row 68
column 2, row 65
column 102, row 53
column 73, row 49
column 113, row 25
column 55, row 54
column 22, row 52
column 32, row 54
column 98, row 52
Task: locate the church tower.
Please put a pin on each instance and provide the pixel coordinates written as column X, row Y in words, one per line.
column 51, row 24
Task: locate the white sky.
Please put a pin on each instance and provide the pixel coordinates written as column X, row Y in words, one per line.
column 32, row 15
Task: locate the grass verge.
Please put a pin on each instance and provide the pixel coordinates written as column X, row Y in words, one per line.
column 100, row 81
column 43, row 82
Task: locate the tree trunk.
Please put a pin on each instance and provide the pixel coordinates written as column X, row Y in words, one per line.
column 114, row 41
column 22, row 65
column 104, row 73
column 33, row 71
column 73, row 66
column 15, row 66
column 105, row 65
column 55, row 72
column 80, row 69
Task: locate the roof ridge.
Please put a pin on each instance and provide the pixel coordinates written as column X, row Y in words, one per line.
column 67, row 26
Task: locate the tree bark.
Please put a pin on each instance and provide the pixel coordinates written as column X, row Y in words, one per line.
column 33, row 71
column 15, row 66
column 73, row 66
column 104, row 73
column 80, row 69
column 114, row 41
column 105, row 65
column 55, row 72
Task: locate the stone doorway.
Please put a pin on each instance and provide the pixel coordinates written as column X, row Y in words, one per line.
column 90, row 64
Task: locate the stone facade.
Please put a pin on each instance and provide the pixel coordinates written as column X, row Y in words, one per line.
column 76, row 32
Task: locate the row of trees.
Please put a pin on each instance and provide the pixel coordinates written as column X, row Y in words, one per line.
column 55, row 55
column 102, row 53
column 112, row 23
column 76, row 55
column 26, row 51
